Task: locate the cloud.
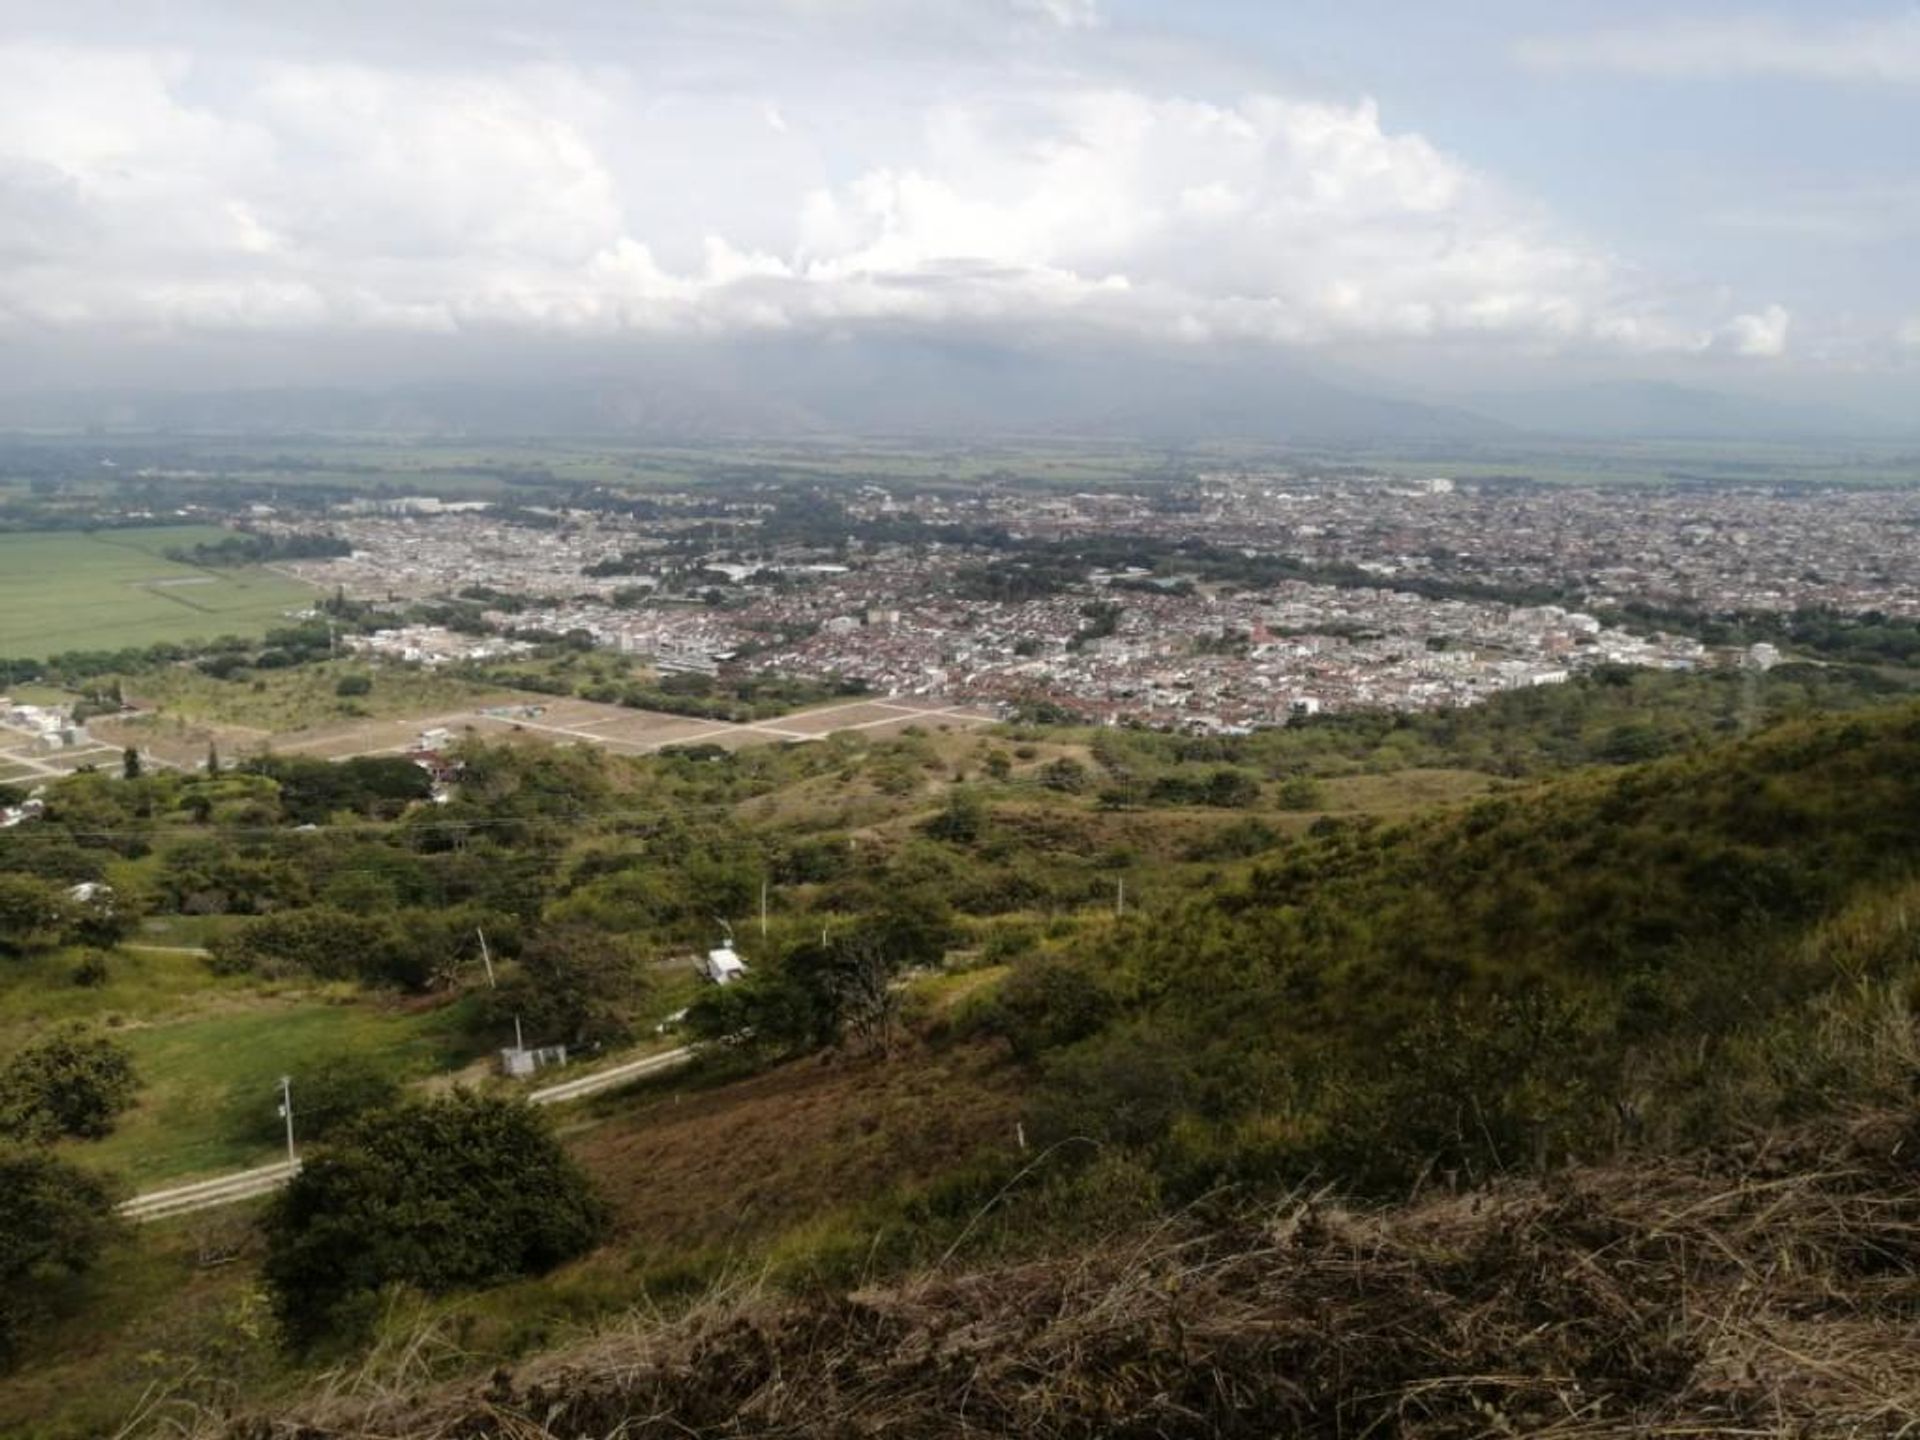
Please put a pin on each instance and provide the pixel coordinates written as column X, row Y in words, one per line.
column 1886, row 51
column 1760, row 336
column 161, row 192
column 1067, row 14
column 1908, row 336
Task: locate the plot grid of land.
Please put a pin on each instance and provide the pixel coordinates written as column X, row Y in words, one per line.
column 625, row 731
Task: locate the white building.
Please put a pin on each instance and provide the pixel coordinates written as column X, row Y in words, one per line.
column 722, row 966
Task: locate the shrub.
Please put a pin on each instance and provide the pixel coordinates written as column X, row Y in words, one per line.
column 33, row 914
column 1047, row 1004
column 326, row 1099
column 70, row 1083
column 1301, row 792
column 54, row 1219
column 443, row 1194
column 1066, row 775
column 91, row 971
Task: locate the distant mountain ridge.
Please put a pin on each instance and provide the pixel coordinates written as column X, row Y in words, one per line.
column 1659, row 410
column 789, row 389
column 794, row 389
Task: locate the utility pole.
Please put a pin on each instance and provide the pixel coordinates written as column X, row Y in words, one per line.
column 286, row 1112
column 485, row 958
column 1120, row 896
column 763, row 909
column 518, row 1043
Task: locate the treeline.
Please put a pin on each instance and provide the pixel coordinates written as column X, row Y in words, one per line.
column 249, row 547
column 1611, row 716
column 729, row 697
column 1869, row 638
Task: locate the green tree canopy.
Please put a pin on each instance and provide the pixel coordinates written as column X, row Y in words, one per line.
column 70, row 1083
column 444, row 1194
column 54, row 1219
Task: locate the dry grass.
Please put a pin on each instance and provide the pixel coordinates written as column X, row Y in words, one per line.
column 1771, row 1291
column 747, row 1160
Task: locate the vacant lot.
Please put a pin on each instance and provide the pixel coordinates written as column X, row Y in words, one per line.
column 306, row 696
column 209, row 1083
column 115, row 588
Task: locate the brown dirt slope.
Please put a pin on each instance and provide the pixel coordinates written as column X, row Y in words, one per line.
column 746, row 1160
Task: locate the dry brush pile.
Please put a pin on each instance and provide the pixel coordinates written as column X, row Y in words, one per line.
column 1774, row 1290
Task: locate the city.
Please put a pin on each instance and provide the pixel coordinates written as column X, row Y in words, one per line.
column 998, row 596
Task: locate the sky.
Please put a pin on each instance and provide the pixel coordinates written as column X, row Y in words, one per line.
column 1447, row 197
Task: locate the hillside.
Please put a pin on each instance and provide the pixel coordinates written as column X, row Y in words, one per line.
column 1101, row 1068
column 1765, row 1290
column 1657, row 957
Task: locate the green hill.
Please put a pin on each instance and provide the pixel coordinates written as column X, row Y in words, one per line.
column 1539, row 1106
column 1649, row 956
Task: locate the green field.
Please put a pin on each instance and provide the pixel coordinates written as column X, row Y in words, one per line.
column 67, row 590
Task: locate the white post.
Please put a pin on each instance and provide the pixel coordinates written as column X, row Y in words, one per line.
column 485, row 958
column 286, row 1110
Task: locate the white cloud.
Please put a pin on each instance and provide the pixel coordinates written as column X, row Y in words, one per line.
column 1760, row 336
column 1067, row 14
column 150, row 191
column 1909, row 334
column 1884, row 50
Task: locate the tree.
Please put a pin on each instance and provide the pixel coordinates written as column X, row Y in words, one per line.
column 213, row 758
column 962, row 820
column 1301, row 792
column 575, row 985
column 33, row 914
column 130, row 763
column 348, row 685
column 327, row 1098
column 1048, row 1005
column 70, row 1083
column 54, row 1219
column 1066, row 775
column 1232, row 789
column 444, row 1194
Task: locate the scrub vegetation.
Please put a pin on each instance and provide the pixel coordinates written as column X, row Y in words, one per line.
column 1148, row 1035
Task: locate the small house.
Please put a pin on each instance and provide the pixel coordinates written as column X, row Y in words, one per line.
column 722, row 966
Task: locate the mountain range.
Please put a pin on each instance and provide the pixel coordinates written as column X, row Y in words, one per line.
column 795, row 389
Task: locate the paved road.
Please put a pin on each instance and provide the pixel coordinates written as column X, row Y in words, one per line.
column 250, row 1184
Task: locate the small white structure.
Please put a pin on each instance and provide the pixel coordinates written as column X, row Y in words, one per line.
column 722, row 966
column 518, row 1062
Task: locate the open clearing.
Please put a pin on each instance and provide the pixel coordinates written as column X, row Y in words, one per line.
column 786, row 1144
column 515, row 716
column 111, row 589
column 209, row 1083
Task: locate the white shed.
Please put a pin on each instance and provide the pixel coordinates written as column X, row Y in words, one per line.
column 723, row 966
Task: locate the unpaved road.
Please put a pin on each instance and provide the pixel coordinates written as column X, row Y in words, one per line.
column 249, row 1184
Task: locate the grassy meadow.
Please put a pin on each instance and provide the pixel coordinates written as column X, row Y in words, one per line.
column 66, row 590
